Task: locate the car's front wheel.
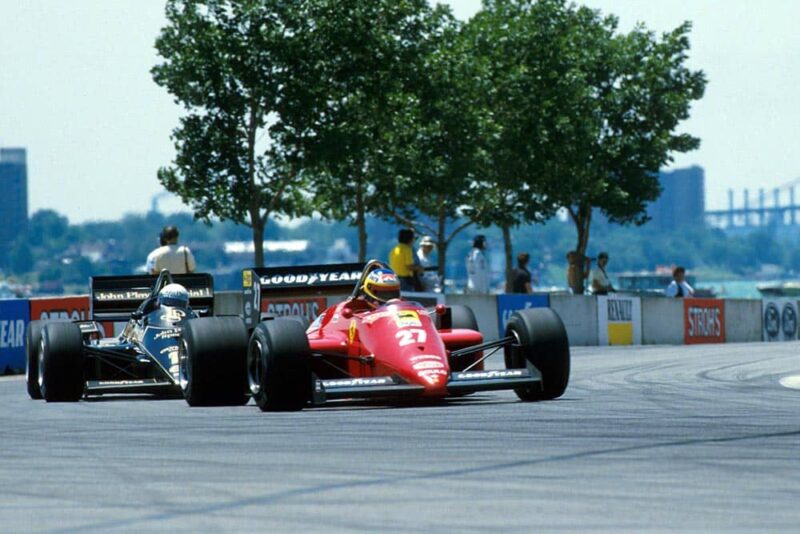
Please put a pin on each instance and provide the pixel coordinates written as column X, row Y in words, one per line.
column 33, row 346
column 540, row 341
column 61, row 363
column 279, row 365
column 212, row 362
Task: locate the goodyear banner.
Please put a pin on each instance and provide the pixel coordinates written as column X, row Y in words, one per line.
column 619, row 320
column 13, row 324
column 779, row 319
column 508, row 304
column 703, row 321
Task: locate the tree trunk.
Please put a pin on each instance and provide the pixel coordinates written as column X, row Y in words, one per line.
column 582, row 217
column 509, row 250
column 361, row 222
column 258, row 224
column 441, row 242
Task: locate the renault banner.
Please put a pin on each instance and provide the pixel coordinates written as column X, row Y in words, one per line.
column 619, row 320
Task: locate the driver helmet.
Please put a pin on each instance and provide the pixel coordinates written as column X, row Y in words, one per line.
column 173, row 295
column 381, row 285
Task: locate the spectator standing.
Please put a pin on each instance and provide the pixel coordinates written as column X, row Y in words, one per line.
column 430, row 279
column 403, row 262
column 578, row 267
column 478, row 267
column 177, row 259
column 679, row 287
column 601, row 284
column 521, row 278
column 150, row 264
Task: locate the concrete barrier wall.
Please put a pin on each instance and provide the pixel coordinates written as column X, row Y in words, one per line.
column 579, row 314
column 662, row 321
column 742, row 320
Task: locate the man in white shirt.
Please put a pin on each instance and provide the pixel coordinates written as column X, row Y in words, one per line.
column 679, row 287
column 430, row 279
column 478, row 267
column 176, row 259
column 601, row 284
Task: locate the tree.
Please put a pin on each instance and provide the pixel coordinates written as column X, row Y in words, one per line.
column 225, row 62
column 360, row 59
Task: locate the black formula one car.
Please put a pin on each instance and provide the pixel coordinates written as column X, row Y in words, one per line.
column 69, row 360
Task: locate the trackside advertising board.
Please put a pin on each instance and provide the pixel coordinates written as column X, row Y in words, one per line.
column 619, row 320
column 779, row 319
column 309, row 308
column 508, row 304
column 703, row 321
column 14, row 316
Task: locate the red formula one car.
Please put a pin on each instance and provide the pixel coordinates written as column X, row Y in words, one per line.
column 373, row 344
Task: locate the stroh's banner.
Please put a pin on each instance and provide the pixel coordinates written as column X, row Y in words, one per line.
column 703, row 321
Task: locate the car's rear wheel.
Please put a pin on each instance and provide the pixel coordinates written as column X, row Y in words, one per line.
column 279, row 365
column 61, row 362
column 212, row 361
column 464, row 317
column 541, row 342
column 33, row 345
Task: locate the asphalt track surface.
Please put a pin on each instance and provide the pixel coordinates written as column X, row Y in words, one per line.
column 694, row 439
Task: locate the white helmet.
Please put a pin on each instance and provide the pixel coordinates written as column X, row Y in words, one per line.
column 173, row 295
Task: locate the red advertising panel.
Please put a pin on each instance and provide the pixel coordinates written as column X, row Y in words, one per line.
column 304, row 307
column 703, row 321
column 74, row 308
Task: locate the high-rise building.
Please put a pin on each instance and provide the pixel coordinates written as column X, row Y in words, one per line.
column 682, row 200
column 13, row 196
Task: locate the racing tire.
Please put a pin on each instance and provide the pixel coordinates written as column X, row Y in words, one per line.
column 543, row 344
column 279, row 366
column 212, row 360
column 33, row 344
column 464, row 317
column 61, row 363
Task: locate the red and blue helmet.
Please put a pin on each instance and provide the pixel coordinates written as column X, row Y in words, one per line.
column 381, row 285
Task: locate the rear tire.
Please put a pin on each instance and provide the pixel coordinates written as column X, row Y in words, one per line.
column 544, row 345
column 279, row 366
column 463, row 317
column 213, row 362
column 33, row 345
column 61, row 363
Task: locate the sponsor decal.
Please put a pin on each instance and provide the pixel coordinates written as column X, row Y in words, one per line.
column 779, row 319
column 432, row 376
column 703, row 320
column 351, row 331
column 406, row 318
column 426, row 357
column 168, row 334
column 353, row 382
column 173, row 315
column 411, row 336
column 428, row 364
column 488, row 375
column 371, row 318
column 247, row 278
column 309, row 308
column 508, row 304
column 336, row 277
column 619, row 320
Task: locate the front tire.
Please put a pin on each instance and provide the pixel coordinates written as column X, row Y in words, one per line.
column 279, row 366
column 61, row 363
column 212, row 362
column 542, row 343
column 33, row 345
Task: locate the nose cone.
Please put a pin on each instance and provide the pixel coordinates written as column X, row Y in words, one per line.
column 431, row 371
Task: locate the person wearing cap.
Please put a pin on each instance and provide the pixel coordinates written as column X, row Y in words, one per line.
column 430, row 280
column 478, row 267
column 601, row 284
column 177, row 259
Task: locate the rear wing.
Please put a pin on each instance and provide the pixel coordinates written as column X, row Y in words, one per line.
column 114, row 298
column 295, row 281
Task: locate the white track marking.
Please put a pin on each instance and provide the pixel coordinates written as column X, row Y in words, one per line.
column 792, row 382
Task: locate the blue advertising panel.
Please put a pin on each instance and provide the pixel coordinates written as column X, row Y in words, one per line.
column 508, row 304
column 14, row 316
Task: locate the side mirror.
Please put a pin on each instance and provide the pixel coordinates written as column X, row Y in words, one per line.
column 347, row 313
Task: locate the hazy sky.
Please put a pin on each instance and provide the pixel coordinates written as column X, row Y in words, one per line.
column 76, row 91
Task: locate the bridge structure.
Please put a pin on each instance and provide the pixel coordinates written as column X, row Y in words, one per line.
column 778, row 207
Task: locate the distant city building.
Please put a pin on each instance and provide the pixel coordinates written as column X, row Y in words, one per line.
column 682, row 201
column 13, row 195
